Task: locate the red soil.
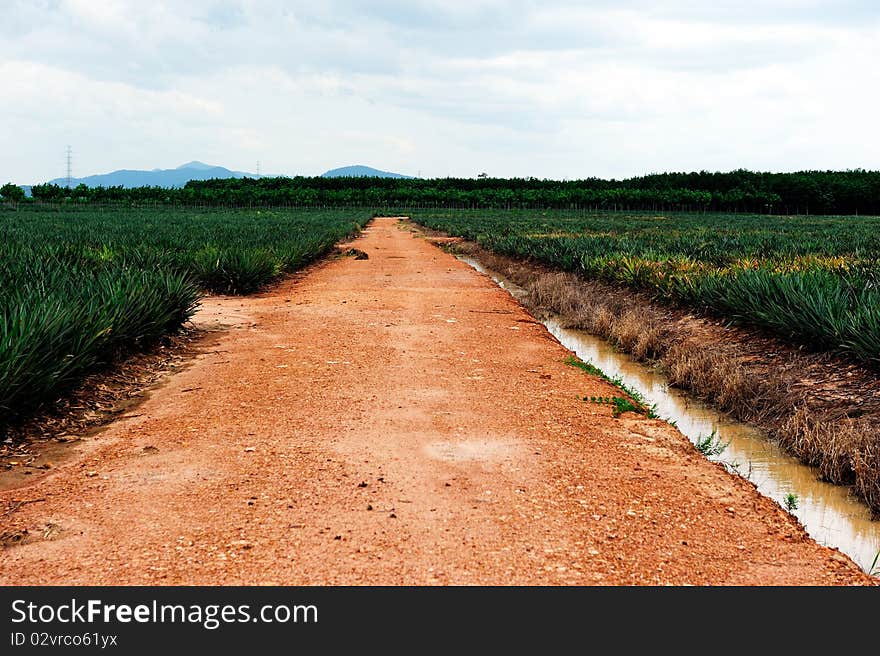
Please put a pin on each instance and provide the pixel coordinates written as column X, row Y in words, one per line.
column 394, row 420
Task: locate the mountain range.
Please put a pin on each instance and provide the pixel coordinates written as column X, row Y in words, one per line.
column 157, row 177
column 360, row 171
column 198, row 171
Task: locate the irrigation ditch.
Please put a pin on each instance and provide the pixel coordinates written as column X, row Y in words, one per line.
column 800, row 426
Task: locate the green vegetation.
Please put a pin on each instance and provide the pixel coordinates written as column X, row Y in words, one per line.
column 791, row 502
column 812, row 280
column 635, row 403
column 803, row 192
column 711, row 445
column 12, row 193
column 618, row 404
column 587, row 367
column 79, row 289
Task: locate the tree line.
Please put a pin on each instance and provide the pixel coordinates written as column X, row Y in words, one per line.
column 855, row 191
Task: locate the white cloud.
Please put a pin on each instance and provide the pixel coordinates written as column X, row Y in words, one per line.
column 550, row 89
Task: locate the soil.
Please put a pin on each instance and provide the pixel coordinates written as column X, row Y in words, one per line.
column 393, row 420
column 45, row 437
column 823, row 408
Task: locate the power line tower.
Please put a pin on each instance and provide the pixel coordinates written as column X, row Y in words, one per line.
column 69, row 161
column 258, row 168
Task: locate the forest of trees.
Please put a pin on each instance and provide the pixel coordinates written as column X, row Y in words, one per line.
column 806, row 192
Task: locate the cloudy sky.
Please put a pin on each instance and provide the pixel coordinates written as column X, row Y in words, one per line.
column 550, row 89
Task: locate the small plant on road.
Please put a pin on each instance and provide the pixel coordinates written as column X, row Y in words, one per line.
column 791, row 502
column 711, row 445
column 635, row 403
column 618, row 404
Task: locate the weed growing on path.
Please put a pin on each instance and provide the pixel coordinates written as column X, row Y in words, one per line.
column 711, row 445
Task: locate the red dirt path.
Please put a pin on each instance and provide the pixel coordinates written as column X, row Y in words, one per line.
column 395, row 420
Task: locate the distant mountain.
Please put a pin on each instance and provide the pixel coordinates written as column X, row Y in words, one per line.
column 196, row 165
column 360, row 171
column 157, row 177
column 196, row 170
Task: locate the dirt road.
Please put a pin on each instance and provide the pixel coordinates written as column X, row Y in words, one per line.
column 394, row 420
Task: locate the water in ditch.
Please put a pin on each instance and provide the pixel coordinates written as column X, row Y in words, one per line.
column 828, row 512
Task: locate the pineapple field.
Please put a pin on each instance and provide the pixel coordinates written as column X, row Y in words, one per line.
column 812, row 279
column 80, row 287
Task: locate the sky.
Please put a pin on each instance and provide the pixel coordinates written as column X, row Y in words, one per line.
column 545, row 89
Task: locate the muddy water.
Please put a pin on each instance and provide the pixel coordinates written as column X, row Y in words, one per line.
column 828, row 513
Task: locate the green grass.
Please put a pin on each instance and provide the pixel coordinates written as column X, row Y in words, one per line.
column 79, row 289
column 618, row 404
column 711, row 445
column 635, row 403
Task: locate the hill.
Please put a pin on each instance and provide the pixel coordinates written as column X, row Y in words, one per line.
column 360, row 171
column 157, row 177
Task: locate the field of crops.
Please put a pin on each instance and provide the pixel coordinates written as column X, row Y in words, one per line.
column 812, row 280
column 80, row 288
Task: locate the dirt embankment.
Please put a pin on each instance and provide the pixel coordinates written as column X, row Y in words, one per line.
column 394, row 420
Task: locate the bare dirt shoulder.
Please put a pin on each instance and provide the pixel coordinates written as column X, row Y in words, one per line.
column 48, row 437
column 394, row 420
